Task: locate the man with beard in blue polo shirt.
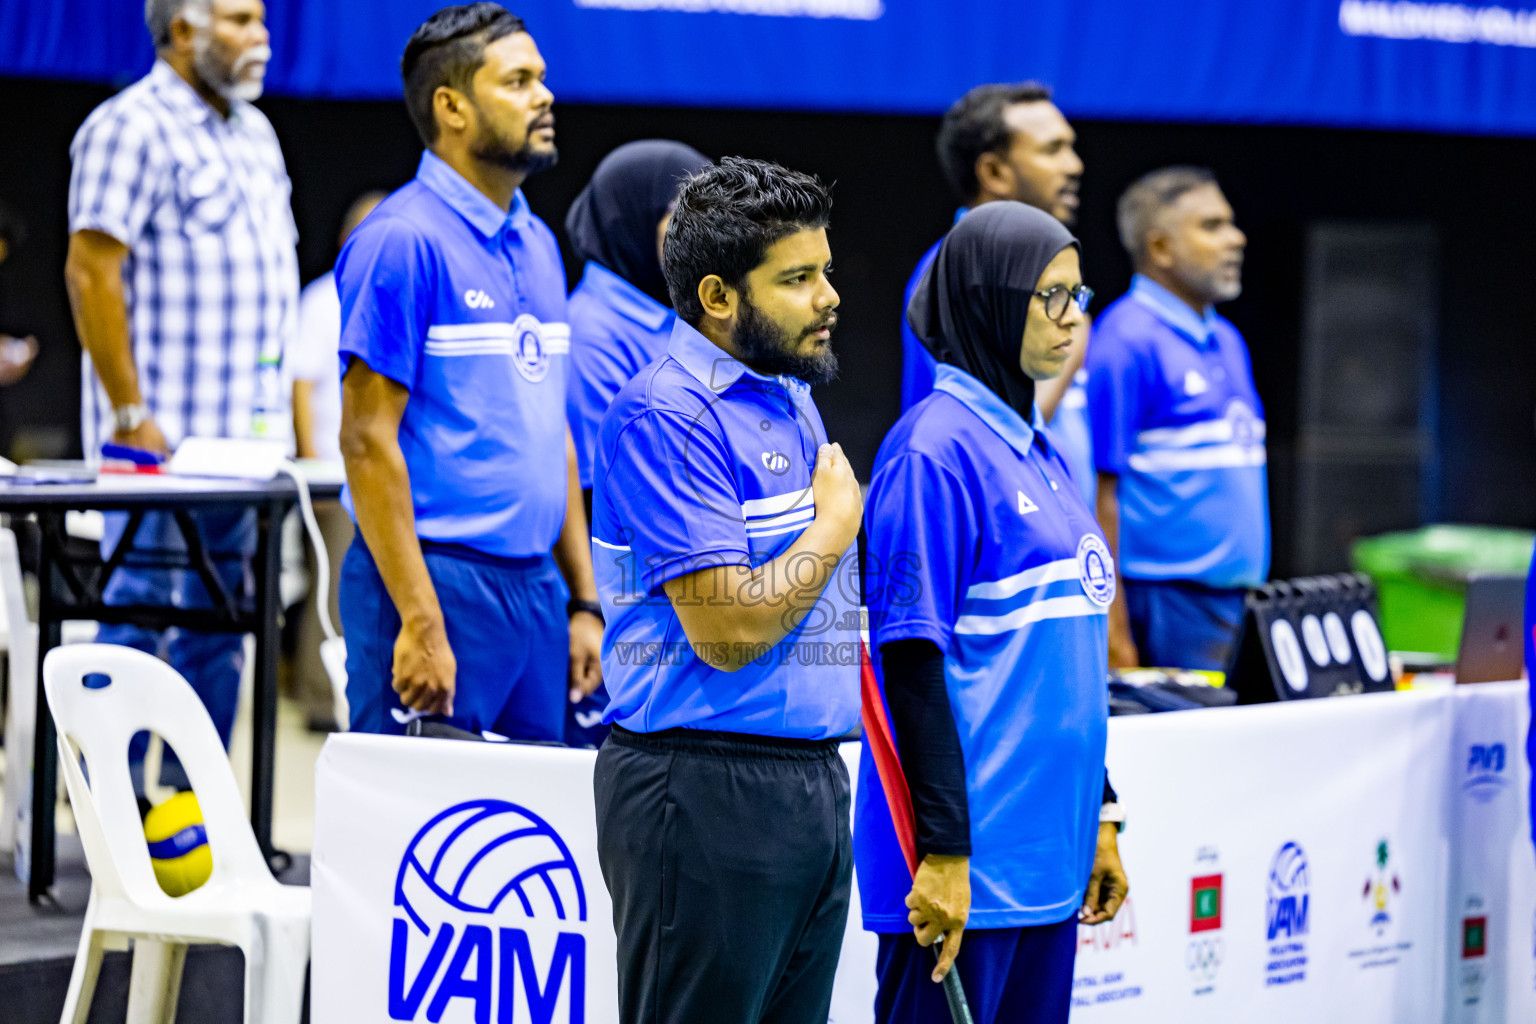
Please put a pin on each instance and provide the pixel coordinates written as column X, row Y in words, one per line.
column 459, row 461
column 720, row 518
column 1178, row 430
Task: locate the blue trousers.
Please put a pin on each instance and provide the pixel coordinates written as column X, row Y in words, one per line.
column 506, row 626
column 584, row 721
column 1177, row 624
column 1011, row 976
column 211, row 662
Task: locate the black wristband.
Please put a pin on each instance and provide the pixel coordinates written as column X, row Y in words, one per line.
column 576, row 604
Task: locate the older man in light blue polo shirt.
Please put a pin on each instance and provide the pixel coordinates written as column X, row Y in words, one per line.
column 1178, row 430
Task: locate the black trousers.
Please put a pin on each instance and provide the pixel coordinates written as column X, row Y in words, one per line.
column 728, row 858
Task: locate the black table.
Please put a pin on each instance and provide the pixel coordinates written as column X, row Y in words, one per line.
column 71, row 587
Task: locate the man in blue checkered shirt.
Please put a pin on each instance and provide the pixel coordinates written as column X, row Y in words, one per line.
column 184, row 283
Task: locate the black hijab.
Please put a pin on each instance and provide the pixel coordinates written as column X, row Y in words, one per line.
column 971, row 305
column 613, row 221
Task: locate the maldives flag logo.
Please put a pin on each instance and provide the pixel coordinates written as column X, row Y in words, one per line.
column 1205, row 903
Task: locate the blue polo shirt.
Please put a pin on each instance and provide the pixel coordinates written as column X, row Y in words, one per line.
column 917, row 363
column 1069, row 426
column 616, row 329
column 703, row 462
column 979, row 542
column 1176, row 416
column 464, row 305
column 1073, row 435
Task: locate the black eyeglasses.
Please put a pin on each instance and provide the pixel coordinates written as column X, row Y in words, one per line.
column 1057, row 297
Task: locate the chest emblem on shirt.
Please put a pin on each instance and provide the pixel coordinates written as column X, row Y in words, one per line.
column 1245, row 425
column 1025, row 505
column 477, row 299
column 1096, row 570
column 528, row 352
column 776, row 463
column 1195, row 384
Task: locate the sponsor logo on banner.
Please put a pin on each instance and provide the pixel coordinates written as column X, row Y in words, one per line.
column 1381, row 887
column 1485, row 775
column 1474, row 937
column 1381, row 895
column 1474, row 947
column 1100, row 979
column 1206, row 949
column 1287, row 916
column 490, row 921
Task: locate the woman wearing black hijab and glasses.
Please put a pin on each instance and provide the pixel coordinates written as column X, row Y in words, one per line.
column 621, row 317
column 989, row 584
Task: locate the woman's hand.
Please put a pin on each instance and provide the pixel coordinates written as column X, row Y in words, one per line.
column 940, row 902
column 1107, row 886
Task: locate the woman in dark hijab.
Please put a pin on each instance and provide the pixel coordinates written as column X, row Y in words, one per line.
column 990, row 587
column 621, row 318
column 620, row 314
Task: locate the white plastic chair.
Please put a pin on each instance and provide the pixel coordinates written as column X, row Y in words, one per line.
column 240, row 904
column 20, row 714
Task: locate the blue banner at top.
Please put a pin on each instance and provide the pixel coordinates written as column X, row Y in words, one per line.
column 1359, row 63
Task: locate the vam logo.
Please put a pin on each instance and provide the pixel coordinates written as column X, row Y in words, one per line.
column 490, row 889
column 1287, row 917
column 776, row 463
column 1485, row 772
column 477, row 299
column 1288, row 893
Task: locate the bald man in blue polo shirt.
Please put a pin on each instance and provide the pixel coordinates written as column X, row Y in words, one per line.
column 723, row 534
column 459, row 461
column 1178, row 430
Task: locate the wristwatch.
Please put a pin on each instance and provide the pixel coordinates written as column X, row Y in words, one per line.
column 126, row 418
column 575, row 605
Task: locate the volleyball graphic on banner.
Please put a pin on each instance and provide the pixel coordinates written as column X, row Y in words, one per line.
column 488, row 902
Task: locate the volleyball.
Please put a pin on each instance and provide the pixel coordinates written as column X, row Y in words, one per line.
column 178, row 844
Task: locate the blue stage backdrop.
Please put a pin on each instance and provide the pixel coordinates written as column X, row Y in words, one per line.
column 1360, row 63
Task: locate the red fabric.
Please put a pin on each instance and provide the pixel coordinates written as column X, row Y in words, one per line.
column 882, row 745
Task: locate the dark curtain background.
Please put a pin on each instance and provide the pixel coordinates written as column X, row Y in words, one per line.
column 890, row 205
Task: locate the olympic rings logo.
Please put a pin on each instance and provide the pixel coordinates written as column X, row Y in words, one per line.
column 1203, row 957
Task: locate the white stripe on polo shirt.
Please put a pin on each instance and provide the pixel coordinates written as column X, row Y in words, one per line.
column 1221, row 456
column 1205, row 432
column 494, row 338
column 1071, row 607
column 780, row 513
column 1008, row 586
column 611, row 547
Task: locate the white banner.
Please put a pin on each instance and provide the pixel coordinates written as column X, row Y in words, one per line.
column 458, row 882
column 1491, row 935
column 1288, row 863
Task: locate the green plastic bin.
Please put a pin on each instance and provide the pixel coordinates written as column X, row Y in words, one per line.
column 1421, row 579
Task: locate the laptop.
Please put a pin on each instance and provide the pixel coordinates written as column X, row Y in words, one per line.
column 1492, row 647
